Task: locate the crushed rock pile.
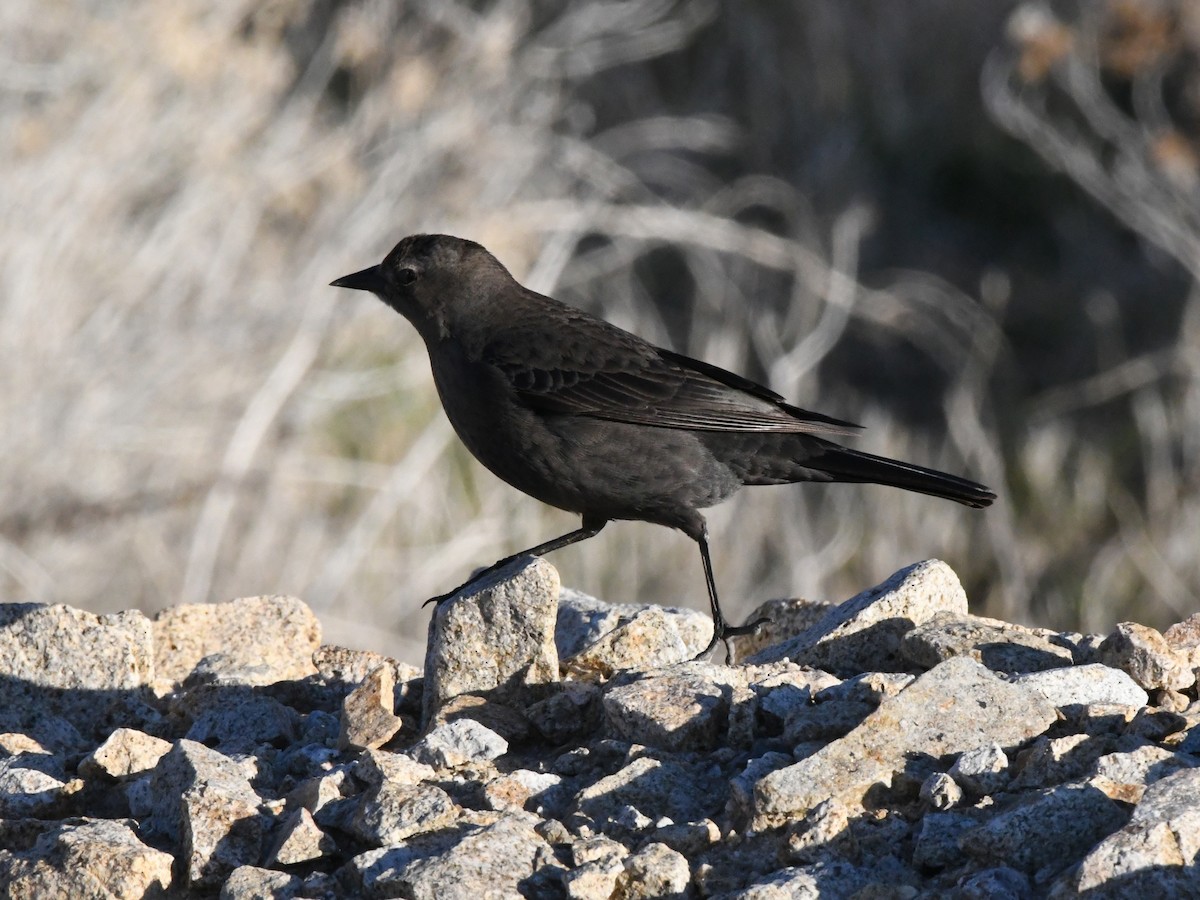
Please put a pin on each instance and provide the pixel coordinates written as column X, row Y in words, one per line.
column 557, row 746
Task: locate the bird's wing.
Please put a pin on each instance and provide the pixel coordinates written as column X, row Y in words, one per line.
column 618, row 377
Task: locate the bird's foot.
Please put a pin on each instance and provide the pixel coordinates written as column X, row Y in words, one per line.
column 722, row 633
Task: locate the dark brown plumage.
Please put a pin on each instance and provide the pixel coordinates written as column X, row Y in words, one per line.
column 592, row 419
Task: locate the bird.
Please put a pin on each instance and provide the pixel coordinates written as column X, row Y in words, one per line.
column 590, row 418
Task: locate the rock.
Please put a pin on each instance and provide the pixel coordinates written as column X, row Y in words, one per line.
column 236, row 717
column 520, row 789
column 656, row 872
column 496, row 640
column 1004, row 648
column 273, row 637
column 572, row 712
column 999, row 883
column 947, row 710
column 368, row 711
column 490, row 862
column 125, row 752
column 939, row 791
column 981, row 771
column 1148, row 658
column 55, row 661
column 1085, row 686
column 345, row 669
column 391, row 813
column 1051, row 761
column 823, row 832
column 784, row 619
column 937, row 839
column 34, row 785
column 206, row 806
column 651, row 639
column 86, row 858
column 583, row 620
column 865, row 632
column 511, row 724
column 678, row 710
column 298, row 840
column 1154, row 854
column 672, row 789
column 458, row 743
column 253, row 883
column 1049, row 828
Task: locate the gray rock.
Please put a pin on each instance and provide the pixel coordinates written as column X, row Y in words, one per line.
column 272, row 637
column 954, row 707
column 937, row 839
column 496, row 640
column 521, row 789
column 1000, row 646
column 55, row 661
column 33, row 785
column 253, row 883
column 1142, row 766
column 124, row 753
column 347, row 668
column 678, row 710
column 298, row 839
column 1049, row 828
column 941, row 792
column 374, row 767
column 391, row 813
column 491, row 862
column 822, row 880
column 656, row 872
column 1052, row 761
column 821, row 835
column 205, row 805
column 784, row 619
column 316, row 792
column 583, row 620
column 458, row 743
column 1000, row 883
column 671, row 789
column 86, row 858
column 1085, row 686
column 981, row 771
column 651, row 639
column 1154, row 854
column 865, row 632
column 237, row 718
column 1152, row 662
column 369, row 711
column 570, row 713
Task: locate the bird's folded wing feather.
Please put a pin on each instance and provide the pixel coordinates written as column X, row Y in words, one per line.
column 628, row 380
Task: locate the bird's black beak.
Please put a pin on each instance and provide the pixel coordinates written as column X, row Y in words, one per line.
column 367, row 280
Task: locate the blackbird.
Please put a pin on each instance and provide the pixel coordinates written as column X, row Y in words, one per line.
column 592, row 419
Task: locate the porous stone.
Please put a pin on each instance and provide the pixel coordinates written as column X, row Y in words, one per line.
column 784, row 619
column 1148, row 658
column 272, row 637
column 954, row 707
column 298, row 839
column 1154, row 854
column 496, row 639
column 458, row 743
column 1086, row 685
column 681, row 792
column 347, row 668
column 572, row 712
column 125, row 752
column 1000, row 646
column 86, row 858
column 684, row 710
column 865, row 632
column 390, row 813
column 656, row 872
column 369, row 711
column 648, row 640
column 583, row 620
column 58, row 662
column 205, row 805
column 982, row 770
column 254, row 883
column 1050, row 827
column 940, row 791
column 519, row 789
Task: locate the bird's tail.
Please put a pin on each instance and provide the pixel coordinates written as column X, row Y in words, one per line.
column 844, row 464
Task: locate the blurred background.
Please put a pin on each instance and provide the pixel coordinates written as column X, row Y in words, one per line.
column 972, row 227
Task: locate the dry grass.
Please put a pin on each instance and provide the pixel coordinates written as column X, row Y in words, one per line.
column 191, row 414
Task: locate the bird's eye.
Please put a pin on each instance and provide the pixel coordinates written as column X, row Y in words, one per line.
column 406, row 276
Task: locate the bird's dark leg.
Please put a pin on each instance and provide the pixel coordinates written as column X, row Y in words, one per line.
column 721, row 630
column 590, row 528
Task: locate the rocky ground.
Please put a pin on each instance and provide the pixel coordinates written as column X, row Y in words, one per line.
column 556, row 746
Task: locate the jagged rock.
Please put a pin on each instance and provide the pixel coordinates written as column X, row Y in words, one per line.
column 236, row 717
column 298, row 840
column 253, row 883
column 583, row 620
column 1148, row 658
column 572, row 712
column 346, row 668
column 981, row 771
column 947, row 710
column 684, row 710
column 673, row 789
column 1049, row 827
column 1010, row 649
column 496, row 640
column 939, row 791
column 369, row 711
column 86, row 858
column 270, row 638
column 390, row 813
column 490, row 862
column 1153, row 855
column 785, row 619
column 124, row 753
column 62, row 663
column 458, row 743
column 1086, row 685
column 656, row 872
column 518, row 789
column 865, row 633
column 205, row 805
column 651, row 639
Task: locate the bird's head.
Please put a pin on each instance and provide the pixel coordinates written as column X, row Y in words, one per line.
column 431, row 279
